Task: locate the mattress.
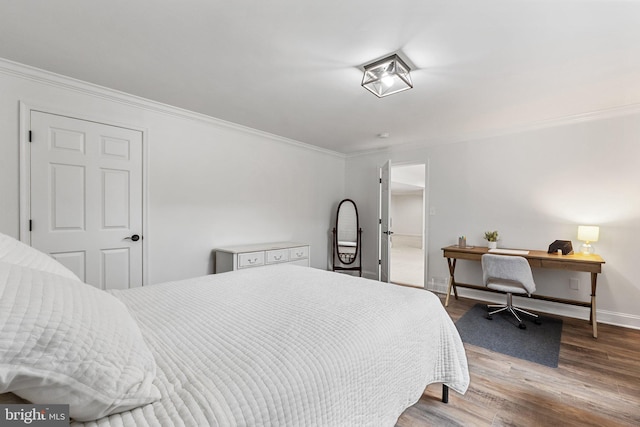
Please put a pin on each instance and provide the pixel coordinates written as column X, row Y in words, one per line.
column 290, row 346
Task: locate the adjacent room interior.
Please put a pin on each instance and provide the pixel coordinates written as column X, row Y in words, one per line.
column 171, row 173
column 408, row 224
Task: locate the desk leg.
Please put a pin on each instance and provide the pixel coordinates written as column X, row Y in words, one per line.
column 592, row 317
column 452, row 281
column 446, row 300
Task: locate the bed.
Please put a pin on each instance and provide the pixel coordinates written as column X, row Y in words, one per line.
column 281, row 345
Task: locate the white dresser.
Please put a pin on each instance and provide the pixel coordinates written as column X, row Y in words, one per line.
column 247, row 256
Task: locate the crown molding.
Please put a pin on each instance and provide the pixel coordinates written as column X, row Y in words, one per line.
column 41, row 76
column 606, row 113
column 49, row 78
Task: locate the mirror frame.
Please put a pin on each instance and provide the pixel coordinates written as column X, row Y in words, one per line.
column 337, row 247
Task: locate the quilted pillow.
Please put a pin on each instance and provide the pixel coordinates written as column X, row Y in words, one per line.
column 15, row 252
column 63, row 341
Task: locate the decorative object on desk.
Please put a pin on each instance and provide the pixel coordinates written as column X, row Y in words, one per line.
column 462, row 242
column 588, row 234
column 539, row 343
column 492, row 238
column 564, row 246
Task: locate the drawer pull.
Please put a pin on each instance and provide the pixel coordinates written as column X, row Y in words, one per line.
column 277, row 258
column 252, row 261
column 299, row 254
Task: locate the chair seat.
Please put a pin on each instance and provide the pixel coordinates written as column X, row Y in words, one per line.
column 509, row 274
column 503, row 285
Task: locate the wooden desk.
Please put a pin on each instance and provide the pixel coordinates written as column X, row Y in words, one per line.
column 537, row 259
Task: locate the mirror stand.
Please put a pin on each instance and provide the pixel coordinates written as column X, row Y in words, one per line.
column 347, row 261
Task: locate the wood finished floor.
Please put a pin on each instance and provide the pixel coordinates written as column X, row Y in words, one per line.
column 596, row 383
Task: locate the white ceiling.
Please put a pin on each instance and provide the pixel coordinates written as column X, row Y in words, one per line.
column 292, row 67
column 407, row 178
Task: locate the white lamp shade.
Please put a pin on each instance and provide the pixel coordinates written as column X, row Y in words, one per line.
column 588, row 233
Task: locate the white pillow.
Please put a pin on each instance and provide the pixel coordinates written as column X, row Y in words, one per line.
column 63, row 341
column 15, row 252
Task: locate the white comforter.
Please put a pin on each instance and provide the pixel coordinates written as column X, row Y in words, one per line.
column 290, row 346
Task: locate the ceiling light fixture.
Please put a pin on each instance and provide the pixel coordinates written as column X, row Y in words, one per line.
column 387, row 76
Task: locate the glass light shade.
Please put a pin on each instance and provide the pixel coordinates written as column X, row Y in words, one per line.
column 588, row 233
column 387, row 76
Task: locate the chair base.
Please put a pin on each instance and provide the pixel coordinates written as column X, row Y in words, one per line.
column 512, row 309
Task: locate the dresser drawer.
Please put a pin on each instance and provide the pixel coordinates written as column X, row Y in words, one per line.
column 299, row 253
column 250, row 259
column 278, row 255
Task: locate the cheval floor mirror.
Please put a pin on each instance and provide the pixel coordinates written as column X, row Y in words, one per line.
column 347, row 239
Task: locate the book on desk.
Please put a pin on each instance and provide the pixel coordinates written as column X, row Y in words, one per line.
column 509, row 251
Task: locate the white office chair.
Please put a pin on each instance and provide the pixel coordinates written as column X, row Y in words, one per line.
column 512, row 275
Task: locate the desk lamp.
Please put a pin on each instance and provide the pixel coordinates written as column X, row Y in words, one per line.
column 588, row 234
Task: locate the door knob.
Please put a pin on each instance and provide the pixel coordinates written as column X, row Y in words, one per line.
column 135, row 238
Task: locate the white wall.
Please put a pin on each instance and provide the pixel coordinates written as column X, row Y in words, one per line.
column 210, row 184
column 534, row 187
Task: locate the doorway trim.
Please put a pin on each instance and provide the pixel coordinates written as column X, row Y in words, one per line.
column 24, row 167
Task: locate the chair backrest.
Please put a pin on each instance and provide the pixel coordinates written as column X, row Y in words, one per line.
column 508, row 267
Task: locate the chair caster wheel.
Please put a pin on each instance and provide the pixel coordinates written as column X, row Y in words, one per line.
column 522, row 326
column 537, row 322
column 489, row 317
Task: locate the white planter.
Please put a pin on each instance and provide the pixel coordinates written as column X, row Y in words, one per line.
column 492, row 245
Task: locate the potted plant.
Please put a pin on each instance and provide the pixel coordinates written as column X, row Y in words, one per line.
column 492, row 238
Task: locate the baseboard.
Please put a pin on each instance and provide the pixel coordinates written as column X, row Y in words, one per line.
column 603, row 316
column 619, row 319
column 370, row 275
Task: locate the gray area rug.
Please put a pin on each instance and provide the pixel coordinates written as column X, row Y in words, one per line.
column 537, row 343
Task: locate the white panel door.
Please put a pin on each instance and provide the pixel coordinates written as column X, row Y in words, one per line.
column 384, row 228
column 86, row 198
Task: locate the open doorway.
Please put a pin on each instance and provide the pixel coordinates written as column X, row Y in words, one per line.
column 407, row 220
